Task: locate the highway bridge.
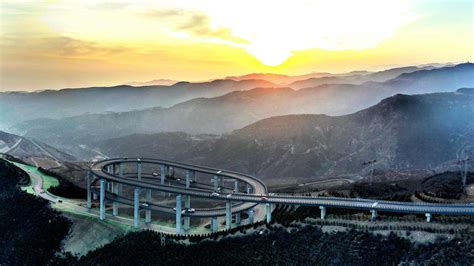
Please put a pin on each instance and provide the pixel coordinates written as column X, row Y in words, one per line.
column 143, row 176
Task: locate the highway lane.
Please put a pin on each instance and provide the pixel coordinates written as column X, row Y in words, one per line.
column 260, row 196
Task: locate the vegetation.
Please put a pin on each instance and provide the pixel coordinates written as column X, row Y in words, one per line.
column 65, row 188
column 31, row 232
column 276, row 245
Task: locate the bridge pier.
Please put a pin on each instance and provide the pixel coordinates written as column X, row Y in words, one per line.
column 238, row 219
column 428, row 217
column 115, row 203
column 139, row 169
column 89, row 196
column 214, row 224
column 268, row 210
column 187, row 203
column 228, row 215
column 162, row 174
column 249, row 189
column 374, row 214
column 178, row 214
column 136, row 207
column 251, row 214
column 102, row 199
column 216, row 182
column 323, row 212
column 148, row 211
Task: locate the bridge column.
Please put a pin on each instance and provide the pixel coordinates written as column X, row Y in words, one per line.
column 178, row 214
column 89, row 196
column 148, row 211
column 268, row 210
column 228, row 215
column 251, row 216
column 136, row 208
column 323, row 212
column 238, row 219
column 374, row 214
column 428, row 217
column 187, row 202
column 249, row 189
column 162, row 174
column 214, row 224
column 216, row 182
column 102, row 199
column 139, row 169
column 115, row 203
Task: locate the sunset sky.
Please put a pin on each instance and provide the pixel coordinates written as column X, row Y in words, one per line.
column 79, row 43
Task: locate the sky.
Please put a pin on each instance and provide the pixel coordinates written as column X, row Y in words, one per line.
column 80, row 43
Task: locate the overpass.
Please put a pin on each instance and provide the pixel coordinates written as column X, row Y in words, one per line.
column 143, row 176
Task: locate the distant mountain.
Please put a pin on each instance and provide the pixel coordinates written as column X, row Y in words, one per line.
column 401, row 132
column 356, row 77
column 21, row 106
column 240, row 108
column 155, row 82
column 278, row 78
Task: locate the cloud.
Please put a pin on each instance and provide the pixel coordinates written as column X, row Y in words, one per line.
column 196, row 24
column 59, row 46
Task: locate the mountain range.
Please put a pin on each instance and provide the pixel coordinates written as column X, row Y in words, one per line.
column 401, row 132
column 237, row 109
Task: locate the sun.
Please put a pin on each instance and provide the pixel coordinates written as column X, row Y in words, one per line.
column 274, row 29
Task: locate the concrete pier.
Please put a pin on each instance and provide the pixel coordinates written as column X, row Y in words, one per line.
column 187, row 202
column 214, row 224
column 323, row 212
column 148, row 212
column 228, row 215
column 178, row 214
column 216, row 182
column 238, row 219
column 374, row 214
column 136, row 208
column 89, row 195
column 251, row 214
column 139, row 169
column 428, row 217
column 102, row 199
column 162, row 174
column 268, row 211
column 115, row 203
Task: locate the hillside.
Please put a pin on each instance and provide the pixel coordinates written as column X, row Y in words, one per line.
column 32, row 151
column 308, row 146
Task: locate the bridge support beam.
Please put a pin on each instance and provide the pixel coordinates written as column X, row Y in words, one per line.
column 178, row 214
column 148, row 211
column 268, row 210
column 228, row 215
column 251, row 214
column 102, row 199
column 136, row 208
column 374, row 214
column 428, row 217
column 214, row 224
column 89, row 196
column 323, row 212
